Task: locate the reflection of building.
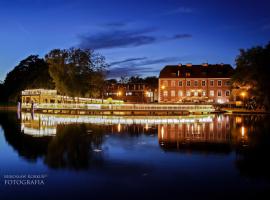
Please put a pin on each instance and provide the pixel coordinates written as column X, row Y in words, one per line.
column 180, row 135
column 197, row 83
column 34, row 126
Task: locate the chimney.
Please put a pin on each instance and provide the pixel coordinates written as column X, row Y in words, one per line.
column 189, row 64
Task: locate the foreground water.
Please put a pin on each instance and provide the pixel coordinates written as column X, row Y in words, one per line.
column 94, row 157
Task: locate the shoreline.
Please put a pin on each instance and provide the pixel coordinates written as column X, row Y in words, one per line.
column 222, row 111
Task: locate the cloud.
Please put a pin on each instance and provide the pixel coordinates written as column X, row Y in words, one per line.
column 266, row 27
column 126, row 61
column 181, row 36
column 179, row 10
column 114, row 25
column 116, row 38
column 138, row 66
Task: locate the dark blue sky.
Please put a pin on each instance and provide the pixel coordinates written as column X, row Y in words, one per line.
column 136, row 37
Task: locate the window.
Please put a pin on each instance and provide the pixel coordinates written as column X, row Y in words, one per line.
column 219, row 82
column 195, row 83
column 212, row 83
column 180, row 83
column 195, row 93
column 180, row 93
column 173, row 93
column 203, row 83
column 188, row 83
column 188, row 93
column 165, row 93
column 173, row 83
column 204, row 93
column 212, row 93
column 219, row 93
column 165, row 83
column 187, row 74
column 228, row 83
column 227, row 93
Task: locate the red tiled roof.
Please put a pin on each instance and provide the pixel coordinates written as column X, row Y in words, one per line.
column 197, row 71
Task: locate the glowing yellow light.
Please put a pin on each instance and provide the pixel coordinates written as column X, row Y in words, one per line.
column 243, row 131
column 243, row 94
column 146, row 127
column 162, row 132
column 119, row 93
column 119, row 127
column 163, row 87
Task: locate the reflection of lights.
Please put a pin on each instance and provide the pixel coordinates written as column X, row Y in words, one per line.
column 146, row 127
column 119, row 127
column 243, row 131
column 162, row 132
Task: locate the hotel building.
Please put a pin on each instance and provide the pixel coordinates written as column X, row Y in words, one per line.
column 195, row 83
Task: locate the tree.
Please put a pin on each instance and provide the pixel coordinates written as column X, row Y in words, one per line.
column 31, row 73
column 77, row 72
column 2, row 92
column 252, row 73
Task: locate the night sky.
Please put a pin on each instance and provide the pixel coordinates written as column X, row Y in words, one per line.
column 136, row 37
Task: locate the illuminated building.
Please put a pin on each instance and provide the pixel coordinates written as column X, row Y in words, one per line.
column 195, row 83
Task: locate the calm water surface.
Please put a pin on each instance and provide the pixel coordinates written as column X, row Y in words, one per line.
column 95, row 157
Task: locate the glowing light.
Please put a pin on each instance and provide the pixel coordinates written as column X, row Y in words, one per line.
column 146, row 127
column 119, row 127
column 243, row 131
column 162, row 132
column 243, row 94
column 163, row 87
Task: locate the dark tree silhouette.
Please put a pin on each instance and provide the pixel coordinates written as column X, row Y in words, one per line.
column 31, row 72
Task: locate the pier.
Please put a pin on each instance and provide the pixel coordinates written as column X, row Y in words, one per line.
column 121, row 109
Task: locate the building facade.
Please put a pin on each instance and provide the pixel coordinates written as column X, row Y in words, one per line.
column 195, row 83
column 132, row 92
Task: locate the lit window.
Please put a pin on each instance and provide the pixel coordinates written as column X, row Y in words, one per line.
column 195, row 83
column 173, row 93
column 227, row 93
column 180, row 93
column 203, row 83
column 180, row 83
column 195, row 93
column 212, row 93
column 187, row 74
column 219, row 93
column 188, row 83
column 188, row 93
column 165, row 93
column 165, row 83
column 212, row 83
column 203, row 93
column 219, row 83
column 173, row 83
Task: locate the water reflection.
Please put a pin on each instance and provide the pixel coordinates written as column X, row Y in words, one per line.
column 77, row 142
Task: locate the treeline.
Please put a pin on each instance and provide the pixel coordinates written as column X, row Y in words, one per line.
column 252, row 74
column 72, row 72
column 150, row 81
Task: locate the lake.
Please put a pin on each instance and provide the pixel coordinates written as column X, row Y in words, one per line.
column 101, row 157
